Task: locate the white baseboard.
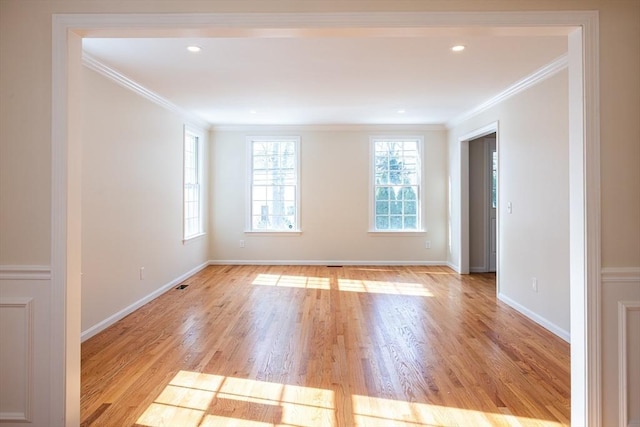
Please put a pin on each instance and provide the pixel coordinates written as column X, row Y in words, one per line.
column 94, row 330
column 453, row 266
column 478, row 269
column 321, row 262
column 565, row 335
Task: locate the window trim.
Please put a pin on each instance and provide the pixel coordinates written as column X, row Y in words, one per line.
column 199, row 134
column 249, row 187
column 372, row 196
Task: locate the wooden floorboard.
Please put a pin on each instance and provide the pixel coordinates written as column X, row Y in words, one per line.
column 320, row 346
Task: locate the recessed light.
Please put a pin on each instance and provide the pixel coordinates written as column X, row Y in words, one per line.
column 458, row 48
column 253, row 112
column 401, row 111
column 194, row 48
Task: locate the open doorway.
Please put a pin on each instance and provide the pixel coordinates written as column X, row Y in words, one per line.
column 483, row 202
column 65, row 252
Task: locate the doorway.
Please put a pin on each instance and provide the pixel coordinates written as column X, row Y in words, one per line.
column 483, row 202
column 584, row 151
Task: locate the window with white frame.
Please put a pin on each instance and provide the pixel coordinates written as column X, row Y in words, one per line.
column 193, row 188
column 396, row 170
column 274, row 184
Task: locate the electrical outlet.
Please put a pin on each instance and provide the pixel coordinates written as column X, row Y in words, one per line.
column 141, row 273
column 242, row 243
column 427, row 244
column 534, row 284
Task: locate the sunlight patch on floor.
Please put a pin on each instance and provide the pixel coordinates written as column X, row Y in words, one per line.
column 374, row 411
column 378, row 287
column 292, row 281
column 344, row 285
column 193, row 399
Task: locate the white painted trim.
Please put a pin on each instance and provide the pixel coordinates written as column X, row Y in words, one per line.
column 25, row 272
column 114, row 75
column 463, row 143
column 27, row 305
column 390, row 128
column 624, row 307
column 521, row 85
column 101, row 326
column 620, row 275
column 323, row 262
column 552, row 327
column 481, row 269
column 453, row 266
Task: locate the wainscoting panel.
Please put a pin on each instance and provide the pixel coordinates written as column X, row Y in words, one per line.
column 621, row 346
column 16, row 358
column 25, row 345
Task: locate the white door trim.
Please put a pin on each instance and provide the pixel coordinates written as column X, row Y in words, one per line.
column 584, row 169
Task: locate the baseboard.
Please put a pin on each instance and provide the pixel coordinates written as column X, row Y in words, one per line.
column 321, row 262
column 454, row 267
column 565, row 335
column 478, row 269
column 94, row 330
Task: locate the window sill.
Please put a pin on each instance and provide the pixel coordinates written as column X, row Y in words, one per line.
column 397, row 233
column 273, row 233
column 190, row 239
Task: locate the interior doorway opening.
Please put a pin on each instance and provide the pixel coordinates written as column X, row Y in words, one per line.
column 483, row 204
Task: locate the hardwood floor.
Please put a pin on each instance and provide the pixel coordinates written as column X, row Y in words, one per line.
column 326, row 346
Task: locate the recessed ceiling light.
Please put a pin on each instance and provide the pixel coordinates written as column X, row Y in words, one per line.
column 458, row 48
column 401, row 111
column 253, row 112
column 194, row 48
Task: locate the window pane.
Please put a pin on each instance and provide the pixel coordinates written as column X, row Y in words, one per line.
column 410, row 222
column 382, row 208
column 382, row 222
column 396, row 174
column 410, row 208
column 275, row 181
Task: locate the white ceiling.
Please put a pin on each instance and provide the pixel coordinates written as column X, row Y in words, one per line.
column 343, row 79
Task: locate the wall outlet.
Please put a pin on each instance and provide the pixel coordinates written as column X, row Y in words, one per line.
column 242, row 243
column 427, row 244
column 141, row 273
column 534, row 284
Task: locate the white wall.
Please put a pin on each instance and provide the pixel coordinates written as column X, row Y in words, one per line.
column 131, row 201
column 334, row 167
column 533, row 241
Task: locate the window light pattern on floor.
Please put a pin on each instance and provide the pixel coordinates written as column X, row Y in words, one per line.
column 193, row 399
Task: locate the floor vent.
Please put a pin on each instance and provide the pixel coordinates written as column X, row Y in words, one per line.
column 334, row 266
column 182, row 287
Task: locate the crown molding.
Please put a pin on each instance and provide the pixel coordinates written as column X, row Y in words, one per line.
column 116, row 76
column 331, row 127
column 525, row 83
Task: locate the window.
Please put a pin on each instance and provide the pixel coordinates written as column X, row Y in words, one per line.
column 193, row 191
column 396, row 173
column 274, row 190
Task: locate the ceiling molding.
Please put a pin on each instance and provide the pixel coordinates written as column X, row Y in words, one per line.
column 331, row 127
column 114, row 75
column 532, row 79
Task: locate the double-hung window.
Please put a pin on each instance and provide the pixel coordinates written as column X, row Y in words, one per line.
column 396, row 170
column 193, row 189
column 274, row 184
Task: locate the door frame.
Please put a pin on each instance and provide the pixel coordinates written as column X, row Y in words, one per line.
column 463, row 143
column 584, row 169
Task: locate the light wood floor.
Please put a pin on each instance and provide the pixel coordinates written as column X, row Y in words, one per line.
column 326, row 346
